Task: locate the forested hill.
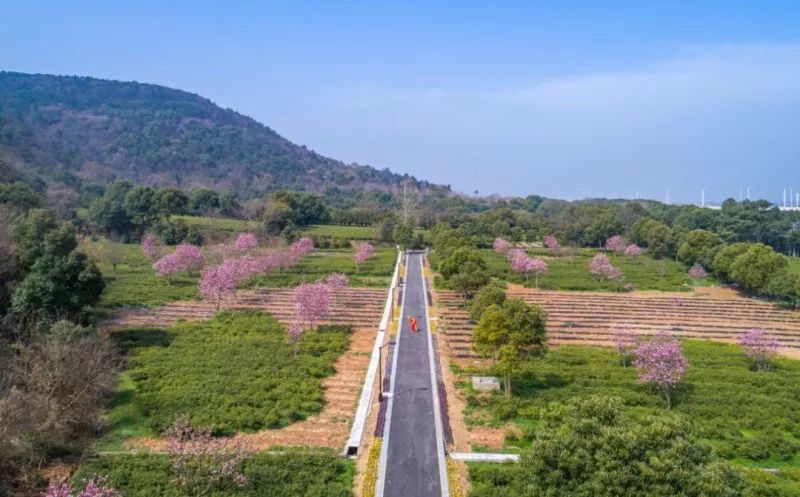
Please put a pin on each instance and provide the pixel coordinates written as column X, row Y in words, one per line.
column 73, row 129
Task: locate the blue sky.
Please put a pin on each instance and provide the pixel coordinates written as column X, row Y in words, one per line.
column 565, row 99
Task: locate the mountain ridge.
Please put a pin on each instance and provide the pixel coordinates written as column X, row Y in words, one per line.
column 75, row 129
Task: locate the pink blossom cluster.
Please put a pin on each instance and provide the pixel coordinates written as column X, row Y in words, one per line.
column 660, row 362
column 95, row 487
column 633, row 250
column 245, row 242
column 199, row 460
column 760, row 347
column 186, row 257
column 500, row 245
column 602, row 268
column 303, row 246
column 625, row 341
column 521, row 263
column 615, row 244
column 296, row 251
column 364, row 251
column 697, row 272
column 551, row 242
column 218, row 282
column 151, row 246
column 312, row 302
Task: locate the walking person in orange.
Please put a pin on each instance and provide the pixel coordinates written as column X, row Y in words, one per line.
column 413, row 322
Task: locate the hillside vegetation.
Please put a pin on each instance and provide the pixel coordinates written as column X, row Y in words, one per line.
column 70, row 129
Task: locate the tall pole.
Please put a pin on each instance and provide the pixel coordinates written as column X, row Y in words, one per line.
column 748, row 192
column 703, row 197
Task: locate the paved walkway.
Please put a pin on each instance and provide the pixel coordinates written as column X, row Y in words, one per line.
column 412, row 459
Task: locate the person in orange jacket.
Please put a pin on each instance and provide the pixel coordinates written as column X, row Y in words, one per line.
column 413, row 322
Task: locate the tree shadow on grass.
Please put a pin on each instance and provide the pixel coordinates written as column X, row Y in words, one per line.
column 134, row 338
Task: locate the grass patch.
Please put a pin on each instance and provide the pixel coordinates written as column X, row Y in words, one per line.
column 219, row 224
column 572, row 273
column 375, row 272
column 751, row 419
column 134, row 283
column 342, row 232
column 297, row 473
column 234, row 372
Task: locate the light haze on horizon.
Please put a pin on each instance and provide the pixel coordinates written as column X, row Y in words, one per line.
column 584, row 99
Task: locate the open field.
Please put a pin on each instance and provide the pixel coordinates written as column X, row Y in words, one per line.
column 308, row 473
column 794, row 262
column 359, row 309
column 749, row 418
column 235, row 372
column 572, row 272
column 134, row 283
column 587, row 317
column 219, row 224
column 375, row 272
column 341, row 232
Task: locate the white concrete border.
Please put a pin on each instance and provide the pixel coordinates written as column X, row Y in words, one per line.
column 381, row 481
column 437, row 407
column 365, row 401
column 483, row 457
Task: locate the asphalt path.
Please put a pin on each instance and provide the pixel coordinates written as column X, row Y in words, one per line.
column 412, row 453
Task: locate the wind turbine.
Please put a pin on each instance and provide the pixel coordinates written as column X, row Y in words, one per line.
column 748, row 191
column 703, row 197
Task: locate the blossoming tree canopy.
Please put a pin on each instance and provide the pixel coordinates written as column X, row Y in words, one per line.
column 364, row 251
column 760, row 347
column 312, row 302
column 615, row 244
column 697, row 272
column 151, row 246
column 190, row 256
column 500, row 245
column 661, row 363
column 551, row 242
column 218, row 282
column 245, row 242
column 633, row 250
column 95, row 487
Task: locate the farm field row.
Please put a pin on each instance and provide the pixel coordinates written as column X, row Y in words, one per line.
column 587, row 317
column 571, row 272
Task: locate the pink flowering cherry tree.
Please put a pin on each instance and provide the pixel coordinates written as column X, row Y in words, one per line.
column 601, row 267
column 152, row 248
column 219, row 282
column 304, row 246
column 760, row 348
column 660, row 362
column 245, row 243
column 538, row 267
column 312, row 304
column 190, row 257
column 615, row 244
column 199, row 461
column 95, row 487
column 167, row 266
column 500, row 245
column 633, row 251
column 519, row 261
column 697, row 272
column 336, row 282
column 364, row 251
column 625, row 341
column 551, row 242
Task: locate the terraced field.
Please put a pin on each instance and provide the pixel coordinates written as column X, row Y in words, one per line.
column 358, row 307
column 587, row 317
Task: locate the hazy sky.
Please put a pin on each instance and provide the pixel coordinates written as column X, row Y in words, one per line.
column 569, row 100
